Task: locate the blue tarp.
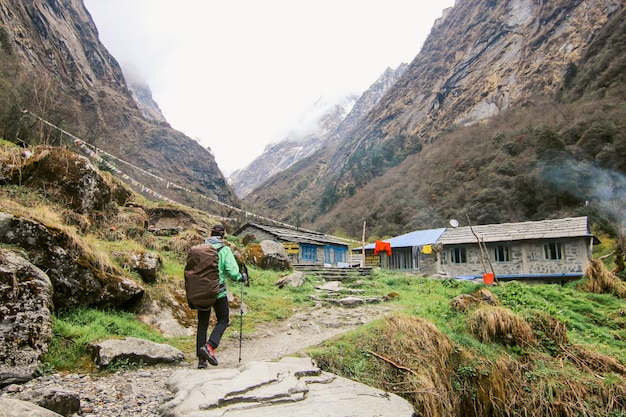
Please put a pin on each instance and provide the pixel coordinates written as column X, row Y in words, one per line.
column 417, row 238
column 524, row 276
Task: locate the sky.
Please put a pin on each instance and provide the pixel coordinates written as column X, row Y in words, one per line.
column 239, row 75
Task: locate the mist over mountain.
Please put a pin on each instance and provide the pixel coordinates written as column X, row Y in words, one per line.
column 314, row 130
column 500, row 95
column 53, row 64
column 322, row 127
column 471, row 125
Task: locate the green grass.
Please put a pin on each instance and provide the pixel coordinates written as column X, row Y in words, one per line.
column 591, row 319
column 595, row 323
column 73, row 332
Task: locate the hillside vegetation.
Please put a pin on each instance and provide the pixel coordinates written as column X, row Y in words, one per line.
column 451, row 348
column 558, row 152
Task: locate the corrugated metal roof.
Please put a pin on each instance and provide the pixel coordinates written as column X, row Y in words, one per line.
column 417, row 238
column 295, row 235
column 543, row 229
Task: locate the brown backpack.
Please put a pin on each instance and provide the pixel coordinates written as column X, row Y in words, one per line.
column 202, row 277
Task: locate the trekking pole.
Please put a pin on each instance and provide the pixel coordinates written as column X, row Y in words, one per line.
column 241, row 319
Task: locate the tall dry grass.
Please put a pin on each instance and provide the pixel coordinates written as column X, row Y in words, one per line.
column 498, row 324
column 601, row 280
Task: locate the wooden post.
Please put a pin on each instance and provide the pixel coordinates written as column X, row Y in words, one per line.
column 484, row 253
column 363, row 247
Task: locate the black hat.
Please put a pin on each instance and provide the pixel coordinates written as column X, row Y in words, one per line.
column 218, row 230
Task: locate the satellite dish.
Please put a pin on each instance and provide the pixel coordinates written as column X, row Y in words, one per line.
column 454, row 223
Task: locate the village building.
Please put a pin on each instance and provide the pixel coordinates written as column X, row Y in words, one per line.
column 546, row 251
column 304, row 247
column 408, row 252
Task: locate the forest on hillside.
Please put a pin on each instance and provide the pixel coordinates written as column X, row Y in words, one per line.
column 556, row 156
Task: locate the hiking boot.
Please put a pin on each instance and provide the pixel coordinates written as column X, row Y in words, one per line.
column 207, row 352
column 202, row 363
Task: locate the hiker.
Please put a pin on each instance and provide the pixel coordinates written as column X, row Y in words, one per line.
column 227, row 266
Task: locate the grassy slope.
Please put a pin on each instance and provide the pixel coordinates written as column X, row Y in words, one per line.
column 544, row 350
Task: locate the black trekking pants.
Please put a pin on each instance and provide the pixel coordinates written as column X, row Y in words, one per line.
column 220, row 306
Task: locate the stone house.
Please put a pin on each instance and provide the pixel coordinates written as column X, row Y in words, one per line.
column 304, row 247
column 407, row 251
column 547, row 251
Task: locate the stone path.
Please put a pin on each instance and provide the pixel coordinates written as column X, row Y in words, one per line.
column 141, row 392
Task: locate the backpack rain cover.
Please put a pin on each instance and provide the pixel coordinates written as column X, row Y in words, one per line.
column 202, row 278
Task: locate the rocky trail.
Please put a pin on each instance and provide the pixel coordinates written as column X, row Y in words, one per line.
column 141, row 392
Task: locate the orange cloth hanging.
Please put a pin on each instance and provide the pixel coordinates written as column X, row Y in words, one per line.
column 381, row 246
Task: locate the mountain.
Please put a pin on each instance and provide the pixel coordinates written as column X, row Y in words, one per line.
column 314, row 131
column 54, row 65
column 142, row 95
column 468, row 127
column 323, row 127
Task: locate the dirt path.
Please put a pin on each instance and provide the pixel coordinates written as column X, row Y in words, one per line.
column 302, row 330
column 141, row 392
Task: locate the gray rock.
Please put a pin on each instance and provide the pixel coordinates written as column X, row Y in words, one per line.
column 135, row 351
column 330, row 286
column 59, row 400
column 291, row 387
column 25, row 312
column 64, row 176
column 350, row 301
column 15, row 408
column 147, row 265
column 76, row 281
column 296, row 280
column 275, row 255
column 163, row 317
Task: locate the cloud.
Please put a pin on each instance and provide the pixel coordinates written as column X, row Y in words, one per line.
column 238, row 75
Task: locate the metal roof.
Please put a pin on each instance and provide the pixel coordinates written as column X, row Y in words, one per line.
column 417, row 238
column 506, row 232
column 295, row 235
column 502, row 232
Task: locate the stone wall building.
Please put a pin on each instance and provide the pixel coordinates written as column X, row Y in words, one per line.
column 547, row 250
column 304, row 247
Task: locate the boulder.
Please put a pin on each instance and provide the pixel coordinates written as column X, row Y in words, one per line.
column 25, row 314
column 296, row 280
column 169, row 317
column 16, row 408
column 267, row 255
column 134, row 351
column 350, row 301
column 291, row 387
column 59, row 400
column 330, row 286
column 147, row 265
column 64, row 176
column 77, row 279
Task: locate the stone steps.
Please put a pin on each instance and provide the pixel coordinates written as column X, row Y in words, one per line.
column 335, row 274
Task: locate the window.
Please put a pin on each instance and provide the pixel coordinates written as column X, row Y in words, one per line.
column 458, row 255
column 309, row 252
column 502, row 253
column 341, row 255
column 553, row 251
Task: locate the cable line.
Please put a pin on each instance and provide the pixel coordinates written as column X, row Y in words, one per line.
column 99, row 156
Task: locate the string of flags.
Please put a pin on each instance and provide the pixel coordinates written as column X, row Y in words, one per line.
column 99, row 155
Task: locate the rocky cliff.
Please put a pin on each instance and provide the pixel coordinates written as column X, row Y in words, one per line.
column 60, row 71
column 481, row 59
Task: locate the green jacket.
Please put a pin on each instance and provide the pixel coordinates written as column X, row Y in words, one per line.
column 227, row 265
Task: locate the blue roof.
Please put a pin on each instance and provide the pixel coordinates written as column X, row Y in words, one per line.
column 417, row 238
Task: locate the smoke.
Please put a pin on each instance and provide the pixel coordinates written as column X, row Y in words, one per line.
column 603, row 188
